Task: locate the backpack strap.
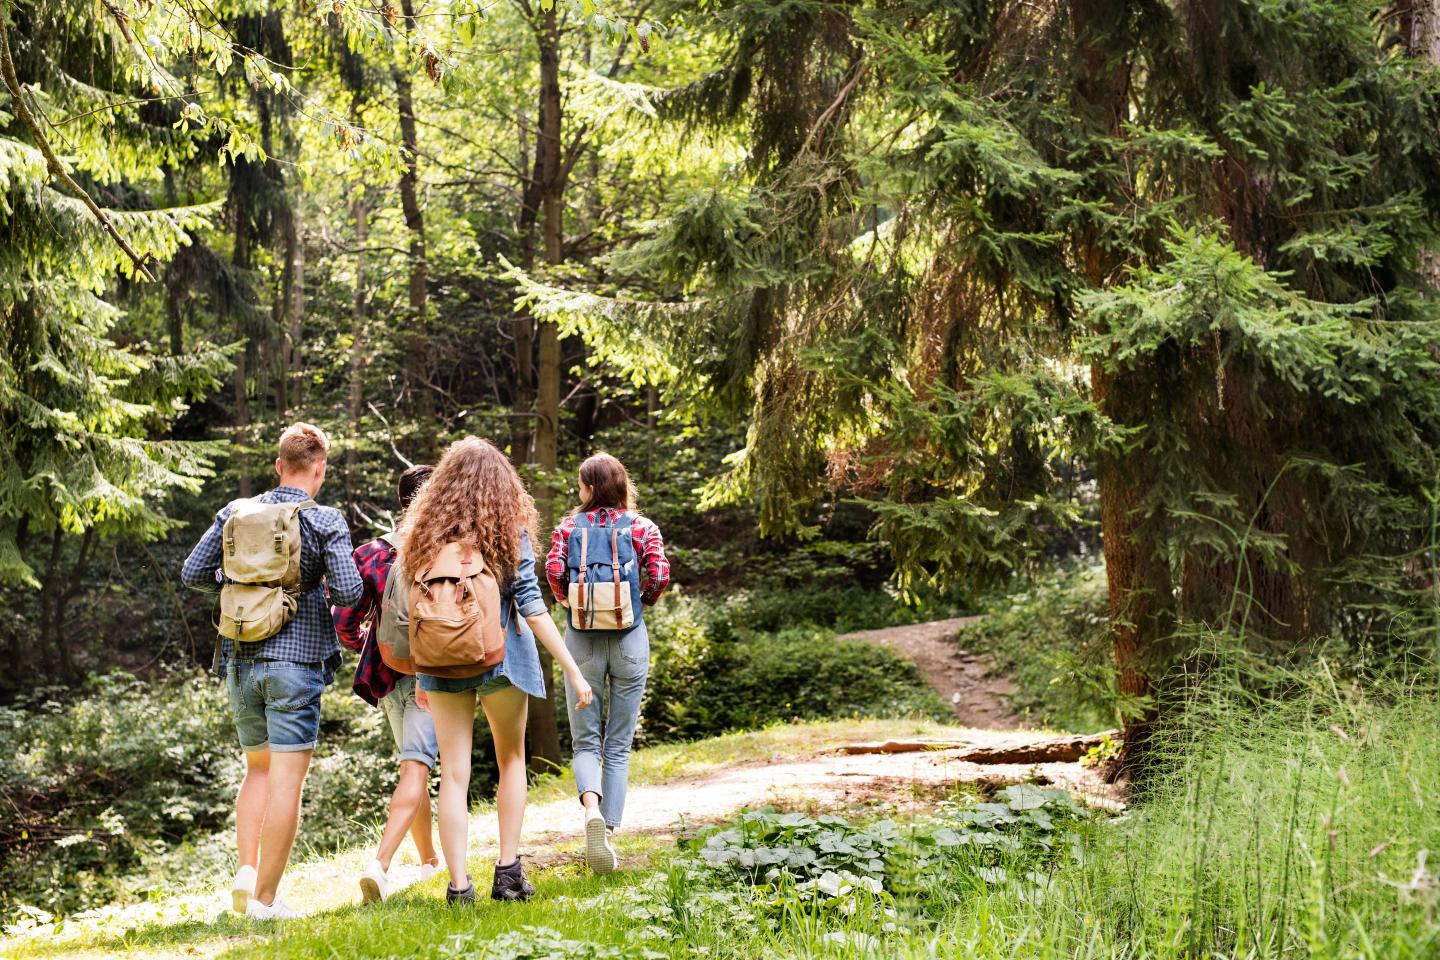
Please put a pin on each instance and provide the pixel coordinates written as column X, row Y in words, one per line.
column 615, row 563
column 584, row 556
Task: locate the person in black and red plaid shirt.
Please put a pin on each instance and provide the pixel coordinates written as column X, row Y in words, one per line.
column 396, row 694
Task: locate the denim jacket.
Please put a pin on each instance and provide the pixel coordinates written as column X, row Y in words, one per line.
column 522, row 659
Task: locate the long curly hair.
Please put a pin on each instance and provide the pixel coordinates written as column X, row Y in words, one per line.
column 475, row 497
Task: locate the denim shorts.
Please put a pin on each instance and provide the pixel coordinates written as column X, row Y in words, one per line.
column 413, row 728
column 491, row 681
column 276, row 703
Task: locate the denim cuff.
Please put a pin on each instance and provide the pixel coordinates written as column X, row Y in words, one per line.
column 534, row 608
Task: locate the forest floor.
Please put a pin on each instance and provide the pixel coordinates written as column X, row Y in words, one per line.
column 975, row 692
column 801, row 767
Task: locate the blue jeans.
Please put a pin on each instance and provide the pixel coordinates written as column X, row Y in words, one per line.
column 276, row 703
column 603, row 732
column 413, row 729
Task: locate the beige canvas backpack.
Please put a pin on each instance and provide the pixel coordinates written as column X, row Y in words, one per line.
column 261, row 563
column 455, row 615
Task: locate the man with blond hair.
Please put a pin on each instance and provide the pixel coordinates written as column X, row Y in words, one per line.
column 275, row 683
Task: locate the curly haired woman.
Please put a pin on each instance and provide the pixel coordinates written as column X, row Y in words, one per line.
column 476, row 498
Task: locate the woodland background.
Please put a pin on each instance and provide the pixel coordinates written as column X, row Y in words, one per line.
column 1117, row 319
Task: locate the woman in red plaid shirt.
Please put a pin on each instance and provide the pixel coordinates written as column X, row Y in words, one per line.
column 606, row 564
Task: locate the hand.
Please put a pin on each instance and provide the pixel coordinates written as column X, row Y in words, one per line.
column 563, row 602
column 583, row 694
column 422, row 699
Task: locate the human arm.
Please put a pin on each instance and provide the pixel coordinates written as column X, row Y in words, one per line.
column 201, row 568
column 342, row 577
column 557, row 572
column 650, row 548
column 531, row 604
column 349, row 621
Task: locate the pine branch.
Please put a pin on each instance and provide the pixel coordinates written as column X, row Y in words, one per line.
column 22, row 110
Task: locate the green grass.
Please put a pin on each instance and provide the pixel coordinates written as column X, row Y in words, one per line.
column 1290, row 829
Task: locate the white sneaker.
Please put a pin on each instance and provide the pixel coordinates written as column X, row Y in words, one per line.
column 242, row 888
column 277, row 910
column 428, row 870
column 599, row 854
column 372, row 883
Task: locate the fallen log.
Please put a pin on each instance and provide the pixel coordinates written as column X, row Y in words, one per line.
column 1048, row 750
column 903, row 746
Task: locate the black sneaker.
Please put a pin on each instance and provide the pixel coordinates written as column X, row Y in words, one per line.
column 510, row 883
column 465, row 898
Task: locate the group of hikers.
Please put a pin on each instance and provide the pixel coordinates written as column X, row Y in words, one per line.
column 444, row 610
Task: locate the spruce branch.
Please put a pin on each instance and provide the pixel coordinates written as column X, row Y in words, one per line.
column 22, row 110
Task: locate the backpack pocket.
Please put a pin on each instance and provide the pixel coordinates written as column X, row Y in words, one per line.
column 250, row 613
column 601, row 606
column 445, row 628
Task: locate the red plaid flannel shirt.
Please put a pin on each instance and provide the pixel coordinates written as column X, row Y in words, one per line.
column 649, row 547
column 356, row 625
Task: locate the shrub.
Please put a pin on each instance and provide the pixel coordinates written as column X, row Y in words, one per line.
column 1051, row 639
column 131, row 784
column 712, row 675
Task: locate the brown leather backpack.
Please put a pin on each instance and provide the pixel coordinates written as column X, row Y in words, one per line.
column 455, row 615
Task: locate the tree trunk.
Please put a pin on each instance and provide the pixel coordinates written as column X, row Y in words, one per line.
column 355, row 390
column 543, row 730
column 652, row 406
column 421, row 399
column 523, row 327
column 1420, row 28
column 552, row 200
column 280, row 314
column 1136, row 575
column 297, row 320
column 241, row 257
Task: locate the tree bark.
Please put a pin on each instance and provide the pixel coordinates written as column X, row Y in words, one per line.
column 1420, row 29
column 543, row 731
column 280, row 314
column 523, row 326
column 297, row 319
column 355, row 387
column 421, row 398
column 1136, row 574
column 552, row 200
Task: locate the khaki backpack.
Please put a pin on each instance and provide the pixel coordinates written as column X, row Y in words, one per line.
column 261, row 563
column 455, row 615
column 392, row 626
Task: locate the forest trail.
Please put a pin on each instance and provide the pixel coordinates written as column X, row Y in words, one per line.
column 963, row 679
column 806, row 769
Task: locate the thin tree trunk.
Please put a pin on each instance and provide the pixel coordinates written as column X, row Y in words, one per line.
column 543, row 731
column 421, row 398
column 64, row 597
column 241, row 257
column 523, row 326
column 47, row 609
column 652, row 407
column 297, row 320
column 280, row 315
column 355, row 391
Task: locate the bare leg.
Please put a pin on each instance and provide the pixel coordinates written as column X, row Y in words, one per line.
column 250, row 806
column 454, row 715
column 411, row 793
column 506, row 712
column 590, row 799
column 282, row 819
column 422, row 829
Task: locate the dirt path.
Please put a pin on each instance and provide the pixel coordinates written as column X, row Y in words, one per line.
column 812, row 776
column 963, row 679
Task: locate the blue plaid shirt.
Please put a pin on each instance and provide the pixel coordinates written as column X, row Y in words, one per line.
column 324, row 551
